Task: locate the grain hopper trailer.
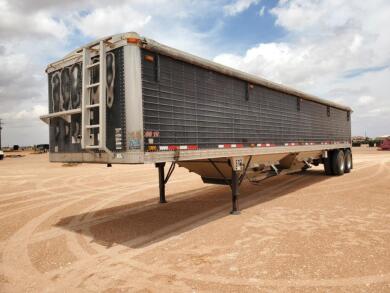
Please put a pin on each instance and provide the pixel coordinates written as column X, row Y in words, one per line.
column 126, row 99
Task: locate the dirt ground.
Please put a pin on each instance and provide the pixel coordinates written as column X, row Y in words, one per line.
column 88, row 228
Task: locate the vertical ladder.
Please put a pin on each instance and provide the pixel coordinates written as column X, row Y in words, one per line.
column 86, row 107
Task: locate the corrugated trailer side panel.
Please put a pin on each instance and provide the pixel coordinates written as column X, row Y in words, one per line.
column 185, row 104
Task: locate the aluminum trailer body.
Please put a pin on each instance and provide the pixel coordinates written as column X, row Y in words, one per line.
column 144, row 102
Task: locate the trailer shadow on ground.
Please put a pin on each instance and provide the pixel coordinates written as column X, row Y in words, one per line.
column 142, row 223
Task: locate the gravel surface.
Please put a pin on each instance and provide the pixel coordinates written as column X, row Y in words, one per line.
column 88, row 228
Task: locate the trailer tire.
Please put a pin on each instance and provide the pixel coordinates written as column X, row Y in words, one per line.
column 338, row 162
column 327, row 164
column 348, row 161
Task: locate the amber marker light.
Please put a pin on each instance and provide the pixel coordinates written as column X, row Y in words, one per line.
column 149, row 58
column 132, row 40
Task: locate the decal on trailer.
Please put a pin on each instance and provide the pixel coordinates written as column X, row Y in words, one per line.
column 134, row 144
column 151, row 133
column 118, row 138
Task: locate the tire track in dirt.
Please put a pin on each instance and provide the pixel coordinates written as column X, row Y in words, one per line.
column 358, row 182
column 380, row 172
column 110, row 262
column 43, row 217
column 15, row 195
column 16, row 262
column 57, row 231
column 106, row 258
column 71, row 194
column 278, row 283
column 72, row 238
column 77, row 181
column 253, row 282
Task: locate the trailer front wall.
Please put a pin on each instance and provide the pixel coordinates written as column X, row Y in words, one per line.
column 65, row 94
column 184, row 104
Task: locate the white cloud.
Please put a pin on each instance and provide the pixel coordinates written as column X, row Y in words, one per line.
column 33, row 113
column 23, row 126
column 111, row 20
column 238, row 6
column 35, row 33
column 334, row 49
column 366, row 100
column 15, row 23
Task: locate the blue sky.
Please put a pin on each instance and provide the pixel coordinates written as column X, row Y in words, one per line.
column 232, row 33
column 239, row 33
column 334, row 49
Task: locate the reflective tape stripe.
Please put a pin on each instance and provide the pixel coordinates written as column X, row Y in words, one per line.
column 264, row 145
column 240, row 145
column 175, row 147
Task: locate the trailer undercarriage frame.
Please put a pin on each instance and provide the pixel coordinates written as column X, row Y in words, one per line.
column 234, row 183
column 232, row 171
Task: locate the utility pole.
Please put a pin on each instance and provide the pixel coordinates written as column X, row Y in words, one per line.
column 0, row 131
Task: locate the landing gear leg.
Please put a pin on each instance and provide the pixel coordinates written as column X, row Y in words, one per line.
column 235, row 193
column 161, row 181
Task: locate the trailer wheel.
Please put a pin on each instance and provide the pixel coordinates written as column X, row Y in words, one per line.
column 348, row 160
column 327, row 166
column 338, row 162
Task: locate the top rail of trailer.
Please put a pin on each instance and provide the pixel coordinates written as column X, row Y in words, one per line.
column 149, row 44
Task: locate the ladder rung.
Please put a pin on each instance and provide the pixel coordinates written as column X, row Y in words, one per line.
column 93, row 126
column 92, row 106
column 92, row 147
column 93, row 65
column 93, row 85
